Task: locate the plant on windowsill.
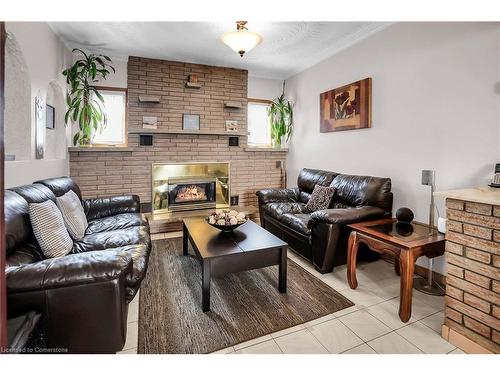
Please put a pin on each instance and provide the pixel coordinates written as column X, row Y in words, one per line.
column 85, row 103
column 280, row 114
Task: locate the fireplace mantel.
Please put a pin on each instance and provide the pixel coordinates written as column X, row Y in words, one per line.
column 187, row 132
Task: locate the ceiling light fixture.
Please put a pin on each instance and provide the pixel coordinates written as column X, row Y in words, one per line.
column 241, row 40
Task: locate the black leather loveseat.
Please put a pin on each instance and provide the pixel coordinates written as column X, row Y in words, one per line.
column 83, row 297
column 321, row 236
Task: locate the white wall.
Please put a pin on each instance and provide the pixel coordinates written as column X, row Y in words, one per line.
column 435, row 105
column 45, row 57
column 18, row 143
column 263, row 88
column 119, row 78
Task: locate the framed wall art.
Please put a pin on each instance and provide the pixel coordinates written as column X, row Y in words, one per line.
column 190, row 122
column 346, row 108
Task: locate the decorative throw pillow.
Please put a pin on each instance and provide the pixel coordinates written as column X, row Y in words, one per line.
column 320, row 198
column 48, row 227
column 72, row 212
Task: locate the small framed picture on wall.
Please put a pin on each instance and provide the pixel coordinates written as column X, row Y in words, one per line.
column 190, row 122
column 50, row 115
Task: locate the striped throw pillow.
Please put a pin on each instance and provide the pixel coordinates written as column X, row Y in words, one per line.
column 48, row 227
column 72, row 212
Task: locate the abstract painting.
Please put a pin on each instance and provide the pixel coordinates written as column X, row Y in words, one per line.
column 346, row 108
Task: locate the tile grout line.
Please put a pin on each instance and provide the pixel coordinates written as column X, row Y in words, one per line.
column 313, row 272
column 395, row 331
column 357, row 346
column 279, row 347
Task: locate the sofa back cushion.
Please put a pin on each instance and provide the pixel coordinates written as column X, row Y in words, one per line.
column 17, row 222
column 358, row 191
column 35, row 193
column 308, row 178
column 61, row 185
column 21, row 245
column 18, row 231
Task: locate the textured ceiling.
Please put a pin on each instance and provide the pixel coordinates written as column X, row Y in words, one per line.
column 287, row 47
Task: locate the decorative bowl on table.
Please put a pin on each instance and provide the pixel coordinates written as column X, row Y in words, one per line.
column 226, row 220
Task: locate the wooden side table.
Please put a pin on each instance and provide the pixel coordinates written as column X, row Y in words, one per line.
column 405, row 242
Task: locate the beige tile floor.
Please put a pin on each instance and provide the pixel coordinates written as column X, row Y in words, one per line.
column 371, row 326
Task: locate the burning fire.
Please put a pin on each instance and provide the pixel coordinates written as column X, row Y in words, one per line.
column 191, row 193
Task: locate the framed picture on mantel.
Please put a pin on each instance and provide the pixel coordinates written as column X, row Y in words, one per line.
column 347, row 107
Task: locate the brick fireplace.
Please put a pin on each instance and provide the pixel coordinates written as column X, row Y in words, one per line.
column 108, row 171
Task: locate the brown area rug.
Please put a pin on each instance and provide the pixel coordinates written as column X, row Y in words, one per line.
column 244, row 306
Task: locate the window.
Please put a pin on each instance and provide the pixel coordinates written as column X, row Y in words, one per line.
column 259, row 126
column 115, row 106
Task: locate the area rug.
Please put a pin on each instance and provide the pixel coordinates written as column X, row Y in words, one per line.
column 244, row 305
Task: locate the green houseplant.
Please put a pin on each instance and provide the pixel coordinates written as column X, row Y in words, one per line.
column 85, row 103
column 280, row 114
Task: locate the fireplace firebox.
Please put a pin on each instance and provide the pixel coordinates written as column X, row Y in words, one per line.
column 190, row 186
column 191, row 193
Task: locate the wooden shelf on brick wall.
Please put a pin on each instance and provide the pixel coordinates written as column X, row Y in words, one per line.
column 149, row 99
column 233, row 105
column 188, row 132
column 192, row 85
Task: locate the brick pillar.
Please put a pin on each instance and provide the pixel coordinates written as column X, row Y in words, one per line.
column 473, row 280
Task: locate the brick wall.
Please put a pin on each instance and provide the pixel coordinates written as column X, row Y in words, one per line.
column 102, row 173
column 473, row 280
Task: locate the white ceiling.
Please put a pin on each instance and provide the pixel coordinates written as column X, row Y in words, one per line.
column 287, row 47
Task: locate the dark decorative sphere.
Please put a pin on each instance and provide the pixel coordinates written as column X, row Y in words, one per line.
column 404, row 229
column 404, row 215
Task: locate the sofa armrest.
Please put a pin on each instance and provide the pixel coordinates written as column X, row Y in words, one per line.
column 106, row 206
column 69, row 270
column 277, row 195
column 346, row 215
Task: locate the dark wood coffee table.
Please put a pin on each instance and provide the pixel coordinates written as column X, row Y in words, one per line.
column 405, row 242
column 246, row 248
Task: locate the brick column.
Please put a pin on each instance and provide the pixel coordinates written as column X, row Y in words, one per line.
column 473, row 279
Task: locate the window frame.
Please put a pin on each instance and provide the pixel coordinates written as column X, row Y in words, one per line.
column 125, row 128
column 259, row 101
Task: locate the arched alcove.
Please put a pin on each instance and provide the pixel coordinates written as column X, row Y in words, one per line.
column 18, row 138
column 55, row 139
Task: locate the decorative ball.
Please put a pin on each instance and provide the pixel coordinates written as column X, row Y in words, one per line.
column 404, row 215
column 404, row 229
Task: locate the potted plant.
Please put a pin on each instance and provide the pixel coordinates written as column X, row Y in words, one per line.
column 85, row 103
column 280, row 114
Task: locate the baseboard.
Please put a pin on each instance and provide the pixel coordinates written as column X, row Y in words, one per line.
column 463, row 343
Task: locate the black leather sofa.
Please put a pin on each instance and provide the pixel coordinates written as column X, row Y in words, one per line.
column 83, row 297
column 321, row 236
